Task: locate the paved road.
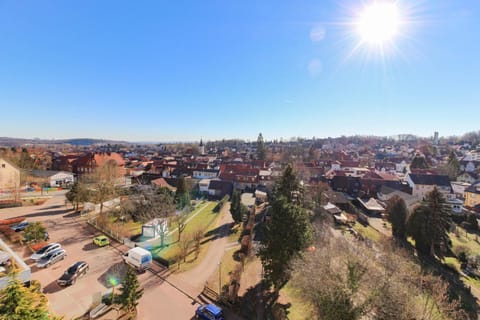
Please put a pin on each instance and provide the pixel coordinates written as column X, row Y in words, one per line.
column 172, row 296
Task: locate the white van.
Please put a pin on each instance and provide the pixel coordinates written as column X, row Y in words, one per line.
column 138, row 258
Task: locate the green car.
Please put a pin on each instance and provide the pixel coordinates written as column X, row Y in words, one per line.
column 101, row 241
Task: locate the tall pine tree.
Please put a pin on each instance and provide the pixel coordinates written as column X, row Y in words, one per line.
column 182, row 195
column 429, row 223
column 286, row 234
column 397, row 215
column 261, row 153
column 130, row 292
column 236, row 207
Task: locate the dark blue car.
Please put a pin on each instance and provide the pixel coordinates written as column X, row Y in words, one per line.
column 209, row 312
column 20, row 227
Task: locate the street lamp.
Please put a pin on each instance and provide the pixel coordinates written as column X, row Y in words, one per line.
column 113, row 281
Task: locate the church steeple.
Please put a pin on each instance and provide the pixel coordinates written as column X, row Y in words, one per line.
column 201, row 147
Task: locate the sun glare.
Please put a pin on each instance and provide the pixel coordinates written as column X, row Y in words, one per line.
column 378, row 23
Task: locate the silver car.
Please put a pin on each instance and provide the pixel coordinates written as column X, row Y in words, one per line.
column 51, row 258
column 45, row 250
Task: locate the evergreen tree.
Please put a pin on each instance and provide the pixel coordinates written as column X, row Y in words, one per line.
column 397, row 214
column 236, row 207
column 18, row 302
column 429, row 223
column 419, row 162
column 182, row 195
column 453, row 166
column 130, row 291
column 261, row 153
column 287, row 233
column 289, row 186
column 472, row 221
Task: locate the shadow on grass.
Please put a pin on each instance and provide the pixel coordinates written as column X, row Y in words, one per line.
column 457, row 288
column 217, row 233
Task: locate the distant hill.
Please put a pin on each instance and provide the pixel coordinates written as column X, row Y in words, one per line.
column 7, row 141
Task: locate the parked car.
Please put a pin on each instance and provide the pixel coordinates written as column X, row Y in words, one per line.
column 101, row 241
column 20, row 227
column 73, row 273
column 42, row 252
column 52, row 258
column 209, row 312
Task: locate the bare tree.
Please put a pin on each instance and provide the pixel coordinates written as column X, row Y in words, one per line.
column 184, row 246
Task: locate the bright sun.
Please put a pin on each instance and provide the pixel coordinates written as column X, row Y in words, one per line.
column 378, row 23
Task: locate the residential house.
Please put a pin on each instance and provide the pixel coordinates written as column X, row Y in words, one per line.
column 162, row 183
column 472, row 195
column 9, row 177
column 53, row 178
column 386, row 193
column 469, row 165
column 205, row 174
column 347, row 184
column 467, row 177
column 422, row 184
column 217, row 189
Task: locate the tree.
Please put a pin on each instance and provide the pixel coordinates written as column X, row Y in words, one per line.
column 345, row 280
column 472, row 221
column 181, row 219
column 261, row 153
column 453, row 166
column 103, row 180
column 397, row 214
column 236, row 207
column 77, row 194
column 35, row 231
column 289, row 186
column 286, row 235
column 157, row 203
column 130, row 292
column 184, row 247
column 197, row 237
column 18, row 302
column 182, row 195
column 419, row 162
column 429, row 223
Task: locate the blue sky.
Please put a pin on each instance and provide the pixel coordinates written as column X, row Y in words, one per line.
column 181, row 70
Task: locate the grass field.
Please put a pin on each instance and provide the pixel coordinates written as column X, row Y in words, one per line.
column 367, row 232
column 204, row 219
column 300, row 309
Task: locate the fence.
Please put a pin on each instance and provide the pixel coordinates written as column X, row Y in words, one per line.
column 111, row 233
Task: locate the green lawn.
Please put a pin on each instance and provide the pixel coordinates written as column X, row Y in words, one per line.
column 203, row 220
column 228, row 265
column 465, row 239
column 300, row 309
column 367, row 232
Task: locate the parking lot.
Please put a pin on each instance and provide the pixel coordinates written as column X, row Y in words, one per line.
column 75, row 236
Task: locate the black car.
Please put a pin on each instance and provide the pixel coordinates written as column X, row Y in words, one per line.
column 20, row 227
column 73, row 272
